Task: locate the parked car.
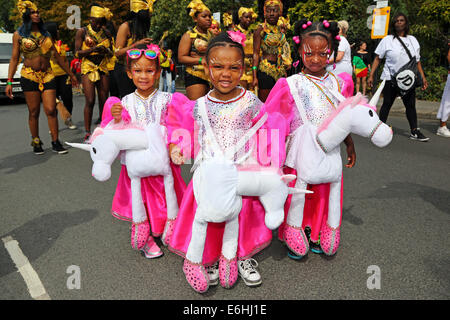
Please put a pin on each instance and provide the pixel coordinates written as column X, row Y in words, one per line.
column 5, row 56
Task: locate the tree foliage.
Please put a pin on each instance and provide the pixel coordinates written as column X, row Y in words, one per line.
column 430, row 20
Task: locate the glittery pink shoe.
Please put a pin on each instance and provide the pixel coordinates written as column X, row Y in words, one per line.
column 139, row 234
column 228, row 272
column 196, row 276
column 329, row 239
column 296, row 240
column 151, row 249
column 168, row 231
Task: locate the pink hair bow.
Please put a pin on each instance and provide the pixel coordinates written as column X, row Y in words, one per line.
column 237, row 36
column 295, row 64
column 155, row 48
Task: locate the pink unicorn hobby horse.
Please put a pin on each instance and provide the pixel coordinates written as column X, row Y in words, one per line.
column 318, row 159
column 144, row 155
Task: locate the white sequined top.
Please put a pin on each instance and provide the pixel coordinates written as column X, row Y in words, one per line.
column 145, row 110
column 317, row 104
column 228, row 119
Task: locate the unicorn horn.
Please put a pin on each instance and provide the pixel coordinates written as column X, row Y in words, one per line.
column 376, row 96
column 82, row 146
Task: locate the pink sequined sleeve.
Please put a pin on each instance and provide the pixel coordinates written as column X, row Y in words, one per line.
column 347, row 84
column 107, row 116
column 280, row 108
column 180, row 123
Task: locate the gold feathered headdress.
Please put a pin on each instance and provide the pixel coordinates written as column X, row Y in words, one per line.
column 100, row 12
column 243, row 10
column 138, row 5
column 197, row 6
column 23, row 5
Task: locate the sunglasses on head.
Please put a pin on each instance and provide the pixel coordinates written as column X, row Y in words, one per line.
column 137, row 53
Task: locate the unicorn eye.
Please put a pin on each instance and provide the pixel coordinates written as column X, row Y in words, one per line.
column 371, row 113
column 94, row 150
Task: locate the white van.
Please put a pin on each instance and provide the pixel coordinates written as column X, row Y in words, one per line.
column 5, row 56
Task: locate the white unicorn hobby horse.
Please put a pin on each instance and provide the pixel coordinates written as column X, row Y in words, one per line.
column 318, row 160
column 145, row 155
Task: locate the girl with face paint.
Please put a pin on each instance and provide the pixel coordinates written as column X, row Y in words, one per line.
column 231, row 111
column 316, row 43
column 146, row 105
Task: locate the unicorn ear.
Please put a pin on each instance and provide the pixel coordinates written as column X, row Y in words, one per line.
column 82, row 146
column 373, row 102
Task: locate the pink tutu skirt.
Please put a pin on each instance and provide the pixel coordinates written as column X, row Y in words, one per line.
column 153, row 196
column 254, row 236
column 315, row 212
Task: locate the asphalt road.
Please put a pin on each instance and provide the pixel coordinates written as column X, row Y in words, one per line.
column 396, row 220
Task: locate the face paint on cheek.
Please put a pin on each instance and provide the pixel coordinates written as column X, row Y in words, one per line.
column 306, row 49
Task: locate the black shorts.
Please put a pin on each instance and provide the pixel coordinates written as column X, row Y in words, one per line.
column 190, row 80
column 29, row 85
column 265, row 81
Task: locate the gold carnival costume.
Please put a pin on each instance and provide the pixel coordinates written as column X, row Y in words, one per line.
column 34, row 46
column 199, row 41
column 93, row 39
column 248, row 48
column 274, row 42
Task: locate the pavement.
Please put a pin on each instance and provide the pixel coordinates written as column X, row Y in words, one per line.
column 425, row 109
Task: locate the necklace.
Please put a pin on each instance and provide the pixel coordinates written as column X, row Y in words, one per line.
column 148, row 98
column 320, row 89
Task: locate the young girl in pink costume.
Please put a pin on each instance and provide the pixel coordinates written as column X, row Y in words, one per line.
column 313, row 90
column 147, row 104
column 230, row 112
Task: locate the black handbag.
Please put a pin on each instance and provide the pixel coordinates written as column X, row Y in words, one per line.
column 408, row 77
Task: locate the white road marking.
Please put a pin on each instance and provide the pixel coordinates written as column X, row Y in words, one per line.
column 29, row 275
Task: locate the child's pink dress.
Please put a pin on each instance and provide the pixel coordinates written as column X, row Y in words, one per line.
column 142, row 111
column 318, row 107
column 228, row 119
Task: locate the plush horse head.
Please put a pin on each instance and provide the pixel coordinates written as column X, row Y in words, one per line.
column 354, row 115
column 105, row 145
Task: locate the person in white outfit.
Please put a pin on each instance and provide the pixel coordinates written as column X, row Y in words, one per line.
column 444, row 109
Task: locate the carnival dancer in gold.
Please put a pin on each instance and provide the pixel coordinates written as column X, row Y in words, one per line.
column 246, row 17
column 34, row 43
column 192, row 48
column 133, row 32
column 271, row 51
column 93, row 45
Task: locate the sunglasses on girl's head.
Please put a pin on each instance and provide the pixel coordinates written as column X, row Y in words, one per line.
column 137, row 53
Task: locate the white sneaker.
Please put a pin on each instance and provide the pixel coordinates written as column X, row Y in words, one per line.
column 70, row 125
column 248, row 272
column 443, row 132
column 213, row 273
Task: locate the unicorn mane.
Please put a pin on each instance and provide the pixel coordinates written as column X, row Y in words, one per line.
column 122, row 125
column 359, row 99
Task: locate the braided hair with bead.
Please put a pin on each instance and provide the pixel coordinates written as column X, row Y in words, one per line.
column 326, row 29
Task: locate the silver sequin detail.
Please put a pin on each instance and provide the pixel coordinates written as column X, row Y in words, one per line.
column 144, row 111
column 314, row 102
column 229, row 120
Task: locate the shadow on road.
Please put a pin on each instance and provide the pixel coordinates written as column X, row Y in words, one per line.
column 37, row 236
column 16, row 162
column 440, row 199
